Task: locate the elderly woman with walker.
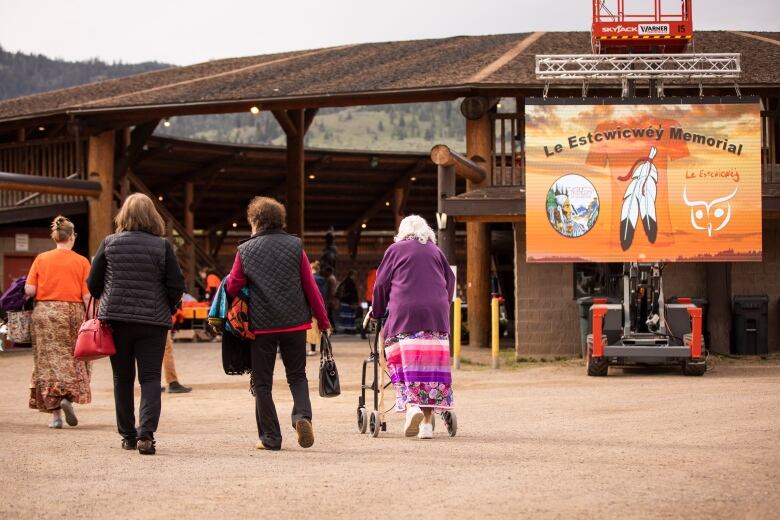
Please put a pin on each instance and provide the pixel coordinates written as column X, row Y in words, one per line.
column 412, row 294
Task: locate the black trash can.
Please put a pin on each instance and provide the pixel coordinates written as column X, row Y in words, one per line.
column 584, row 304
column 703, row 304
column 751, row 325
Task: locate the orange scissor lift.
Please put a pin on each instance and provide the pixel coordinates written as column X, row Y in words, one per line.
column 638, row 330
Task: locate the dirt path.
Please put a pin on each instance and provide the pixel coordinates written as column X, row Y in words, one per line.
column 538, row 442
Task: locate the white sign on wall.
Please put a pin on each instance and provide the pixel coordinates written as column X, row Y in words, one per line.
column 22, row 242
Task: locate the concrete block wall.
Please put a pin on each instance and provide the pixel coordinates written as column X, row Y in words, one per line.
column 547, row 320
column 749, row 278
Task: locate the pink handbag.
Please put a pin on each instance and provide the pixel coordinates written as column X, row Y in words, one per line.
column 95, row 340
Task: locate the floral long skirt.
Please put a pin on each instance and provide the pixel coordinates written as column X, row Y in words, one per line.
column 419, row 368
column 55, row 327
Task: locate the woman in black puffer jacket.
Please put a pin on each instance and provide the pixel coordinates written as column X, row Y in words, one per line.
column 137, row 278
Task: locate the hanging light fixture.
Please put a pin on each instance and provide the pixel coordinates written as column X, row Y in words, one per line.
column 255, row 110
column 235, row 224
column 166, row 122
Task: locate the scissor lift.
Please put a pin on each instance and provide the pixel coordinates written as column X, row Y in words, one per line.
column 614, row 31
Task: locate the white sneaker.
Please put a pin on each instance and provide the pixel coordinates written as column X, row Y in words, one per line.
column 414, row 417
column 426, row 431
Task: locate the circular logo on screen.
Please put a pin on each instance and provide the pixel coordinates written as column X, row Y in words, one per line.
column 572, row 205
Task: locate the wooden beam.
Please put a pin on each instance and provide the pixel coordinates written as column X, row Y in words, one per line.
column 286, row 122
column 471, row 169
column 100, row 168
column 189, row 228
column 129, row 156
column 37, row 183
column 388, row 195
column 446, row 224
column 308, row 118
column 478, row 143
column 219, row 163
column 205, row 191
column 295, row 174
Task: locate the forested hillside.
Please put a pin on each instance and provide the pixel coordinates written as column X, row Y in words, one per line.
column 412, row 127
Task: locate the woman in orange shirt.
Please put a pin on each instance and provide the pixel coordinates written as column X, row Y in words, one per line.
column 58, row 281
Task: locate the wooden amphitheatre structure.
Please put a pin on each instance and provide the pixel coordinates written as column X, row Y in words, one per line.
column 84, row 149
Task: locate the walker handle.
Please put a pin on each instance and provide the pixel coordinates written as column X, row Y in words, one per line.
column 367, row 318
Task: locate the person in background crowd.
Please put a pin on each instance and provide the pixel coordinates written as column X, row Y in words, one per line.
column 329, row 252
column 169, row 368
column 57, row 280
column 370, row 281
column 347, row 294
column 413, row 288
column 136, row 276
column 313, row 334
column 211, row 283
column 332, row 302
column 283, row 297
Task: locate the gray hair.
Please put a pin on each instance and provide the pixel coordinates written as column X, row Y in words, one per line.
column 414, row 227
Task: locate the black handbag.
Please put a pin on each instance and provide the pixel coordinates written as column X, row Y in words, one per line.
column 236, row 354
column 329, row 374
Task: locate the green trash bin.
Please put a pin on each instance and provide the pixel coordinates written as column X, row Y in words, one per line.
column 584, row 304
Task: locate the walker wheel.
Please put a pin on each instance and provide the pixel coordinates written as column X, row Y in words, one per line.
column 362, row 419
column 452, row 422
column 374, row 424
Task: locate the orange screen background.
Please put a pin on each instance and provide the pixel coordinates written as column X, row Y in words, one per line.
column 705, row 172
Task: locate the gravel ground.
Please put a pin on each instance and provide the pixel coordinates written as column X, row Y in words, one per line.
column 543, row 441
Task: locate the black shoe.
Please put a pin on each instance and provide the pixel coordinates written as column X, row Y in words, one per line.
column 177, row 388
column 146, row 447
column 129, row 444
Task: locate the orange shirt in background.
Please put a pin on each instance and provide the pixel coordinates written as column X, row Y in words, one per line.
column 212, row 283
column 59, row 275
column 370, row 281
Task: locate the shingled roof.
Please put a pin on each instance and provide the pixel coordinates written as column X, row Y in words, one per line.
column 402, row 71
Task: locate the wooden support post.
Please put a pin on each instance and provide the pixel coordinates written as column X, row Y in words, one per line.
column 293, row 122
column 478, row 149
column 399, row 204
column 100, row 167
column 446, row 224
column 719, row 309
column 189, row 228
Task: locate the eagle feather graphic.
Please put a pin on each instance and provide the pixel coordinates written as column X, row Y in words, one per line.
column 639, row 201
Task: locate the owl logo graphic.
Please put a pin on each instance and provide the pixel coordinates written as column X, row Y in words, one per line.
column 709, row 215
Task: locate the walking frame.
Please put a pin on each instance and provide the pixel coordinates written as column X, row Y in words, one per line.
column 375, row 421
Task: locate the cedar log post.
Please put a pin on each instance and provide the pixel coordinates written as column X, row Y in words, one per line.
column 189, row 228
column 295, row 123
column 478, row 149
column 100, row 165
column 445, row 224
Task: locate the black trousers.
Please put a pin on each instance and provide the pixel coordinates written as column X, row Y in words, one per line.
column 292, row 346
column 144, row 345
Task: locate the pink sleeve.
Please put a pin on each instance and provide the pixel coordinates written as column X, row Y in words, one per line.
column 237, row 279
column 312, row 293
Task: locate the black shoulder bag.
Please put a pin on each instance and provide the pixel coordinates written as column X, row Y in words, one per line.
column 329, row 375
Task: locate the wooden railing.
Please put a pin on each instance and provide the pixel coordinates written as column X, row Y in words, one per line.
column 507, row 153
column 60, row 158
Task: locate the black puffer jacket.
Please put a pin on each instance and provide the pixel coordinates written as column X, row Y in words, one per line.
column 137, row 278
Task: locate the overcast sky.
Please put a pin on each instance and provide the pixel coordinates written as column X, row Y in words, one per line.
column 183, row 32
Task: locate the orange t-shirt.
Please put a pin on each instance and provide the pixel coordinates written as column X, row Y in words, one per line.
column 59, row 275
column 212, row 282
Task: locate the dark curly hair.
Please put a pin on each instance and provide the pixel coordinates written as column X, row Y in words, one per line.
column 266, row 214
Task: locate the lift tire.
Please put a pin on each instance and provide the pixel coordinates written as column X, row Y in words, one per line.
column 694, row 368
column 362, row 419
column 596, row 367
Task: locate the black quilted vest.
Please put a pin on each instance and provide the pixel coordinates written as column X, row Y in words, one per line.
column 271, row 262
column 134, row 289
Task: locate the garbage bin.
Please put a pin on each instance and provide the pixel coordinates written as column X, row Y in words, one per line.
column 584, row 304
column 702, row 303
column 751, row 324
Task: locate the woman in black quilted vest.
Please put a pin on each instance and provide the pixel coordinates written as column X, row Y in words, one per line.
column 282, row 298
column 137, row 278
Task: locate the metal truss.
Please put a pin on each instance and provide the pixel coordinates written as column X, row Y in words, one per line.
column 584, row 67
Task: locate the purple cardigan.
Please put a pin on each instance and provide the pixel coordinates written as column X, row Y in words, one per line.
column 414, row 285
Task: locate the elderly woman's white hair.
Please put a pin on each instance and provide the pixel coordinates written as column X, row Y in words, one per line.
column 414, row 227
